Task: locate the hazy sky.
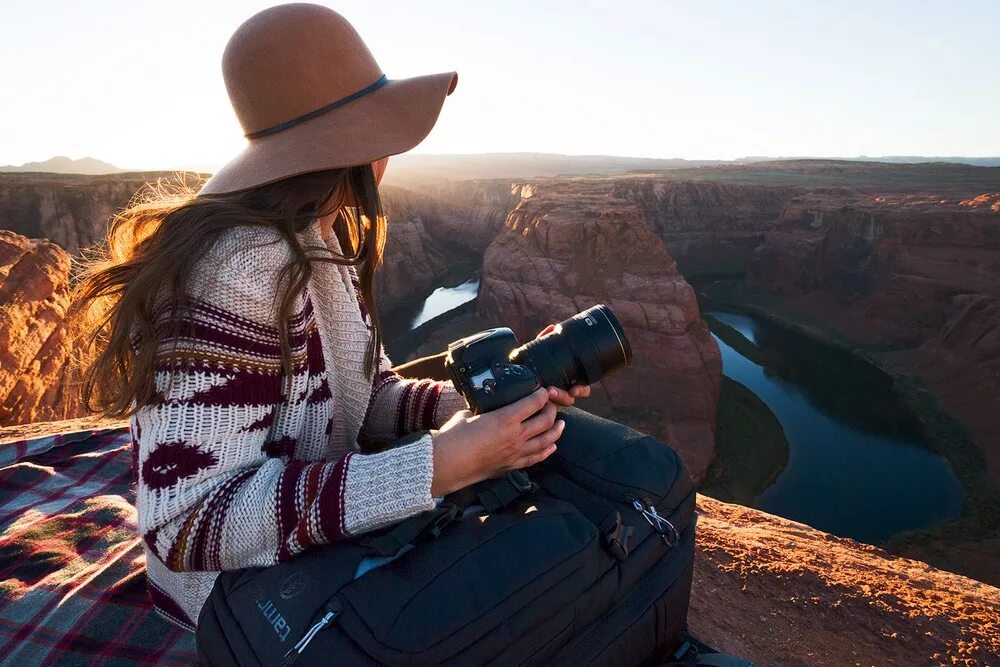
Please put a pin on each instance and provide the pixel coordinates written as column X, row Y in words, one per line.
column 138, row 83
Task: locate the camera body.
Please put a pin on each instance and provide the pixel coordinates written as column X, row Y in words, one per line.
column 481, row 369
column 492, row 370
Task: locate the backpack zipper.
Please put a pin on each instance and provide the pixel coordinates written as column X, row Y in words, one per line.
column 646, row 591
column 332, row 611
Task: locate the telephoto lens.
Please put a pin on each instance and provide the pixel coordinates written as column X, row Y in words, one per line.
column 581, row 350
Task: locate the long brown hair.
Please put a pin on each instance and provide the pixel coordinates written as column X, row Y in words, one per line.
column 130, row 295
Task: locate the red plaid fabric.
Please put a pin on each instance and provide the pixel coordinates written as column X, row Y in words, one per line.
column 72, row 572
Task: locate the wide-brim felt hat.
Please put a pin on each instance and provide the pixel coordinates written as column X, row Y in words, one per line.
column 310, row 96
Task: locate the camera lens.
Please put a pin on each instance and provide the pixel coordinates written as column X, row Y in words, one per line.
column 581, row 350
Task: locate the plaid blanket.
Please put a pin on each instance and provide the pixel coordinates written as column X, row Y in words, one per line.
column 72, row 572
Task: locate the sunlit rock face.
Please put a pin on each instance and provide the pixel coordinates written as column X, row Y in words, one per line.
column 915, row 275
column 567, row 246
column 781, row 593
column 35, row 344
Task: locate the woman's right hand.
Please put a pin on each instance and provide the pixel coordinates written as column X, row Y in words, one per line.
column 470, row 448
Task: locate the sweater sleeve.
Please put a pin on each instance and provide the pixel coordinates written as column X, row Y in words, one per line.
column 400, row 406
column 214, row 491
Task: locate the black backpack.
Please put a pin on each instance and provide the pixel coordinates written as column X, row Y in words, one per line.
column 587, row 562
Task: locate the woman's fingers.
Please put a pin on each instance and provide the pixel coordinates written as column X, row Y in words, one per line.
column 563, row 397
column 544, row 439
column 560, row 396
column 550, row 328
column 541, row 446
column 540, row 423
column 519, row 410
column 528, row 461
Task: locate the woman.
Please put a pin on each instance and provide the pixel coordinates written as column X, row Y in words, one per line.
column 237, row 328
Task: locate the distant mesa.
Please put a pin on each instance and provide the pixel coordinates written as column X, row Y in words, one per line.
column 61, row 164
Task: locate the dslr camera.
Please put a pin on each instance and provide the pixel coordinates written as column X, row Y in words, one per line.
column 492, row 370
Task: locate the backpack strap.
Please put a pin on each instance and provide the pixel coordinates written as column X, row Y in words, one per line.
column 491, row 496
column 406, row 532
column 502, row 492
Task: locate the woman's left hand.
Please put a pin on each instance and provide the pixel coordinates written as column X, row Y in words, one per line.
column 561, row 396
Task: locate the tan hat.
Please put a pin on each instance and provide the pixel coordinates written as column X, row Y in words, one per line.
column 310, row 96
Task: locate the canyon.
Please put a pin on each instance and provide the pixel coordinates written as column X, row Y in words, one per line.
column 898, row 264
column 911, row 269
column 913, row 278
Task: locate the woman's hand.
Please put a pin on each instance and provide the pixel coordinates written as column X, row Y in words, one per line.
column 561, row 396
column 470, row 448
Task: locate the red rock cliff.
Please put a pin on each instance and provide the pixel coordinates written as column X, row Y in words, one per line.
column 433, row 230
column 918, row 275
column 34, row 342
column 564, row 249
column 72, row 210
column 710, row 228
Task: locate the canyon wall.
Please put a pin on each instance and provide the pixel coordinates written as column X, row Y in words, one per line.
column 565, row 248
column 468, row 214
column 436, row 233
column 710, row 228
column 71, row 210
column 916, row 278
column 35, row 343
column 413, row 264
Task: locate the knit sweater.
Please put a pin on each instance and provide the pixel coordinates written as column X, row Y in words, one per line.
column 235, row 471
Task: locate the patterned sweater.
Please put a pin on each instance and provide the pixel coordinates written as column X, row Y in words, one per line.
column 236, row 472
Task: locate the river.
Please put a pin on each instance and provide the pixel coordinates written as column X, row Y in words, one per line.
column 857, row 462
column 444, row 299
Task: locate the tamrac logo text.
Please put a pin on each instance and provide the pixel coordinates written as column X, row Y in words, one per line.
column 275, row 618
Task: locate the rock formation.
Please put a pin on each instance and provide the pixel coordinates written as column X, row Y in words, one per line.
column 915, row 276
column 72, row 210
column 710, row 228
column 468, row 214
column 413, row 263
column 35, row 344
column 563, row 250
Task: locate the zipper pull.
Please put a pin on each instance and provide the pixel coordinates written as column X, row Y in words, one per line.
column 660, row 524
column 332, row 611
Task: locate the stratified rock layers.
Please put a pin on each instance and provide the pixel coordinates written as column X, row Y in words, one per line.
column 72, row 210
column 916, row 278
column 563, row 250
column 35, row 345
column 710, row 228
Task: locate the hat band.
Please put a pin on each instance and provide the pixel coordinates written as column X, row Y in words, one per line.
column 284, row 125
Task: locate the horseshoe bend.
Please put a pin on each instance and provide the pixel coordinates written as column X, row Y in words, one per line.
column 895, row 268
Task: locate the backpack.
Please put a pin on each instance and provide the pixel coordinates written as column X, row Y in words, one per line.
column 586, row 559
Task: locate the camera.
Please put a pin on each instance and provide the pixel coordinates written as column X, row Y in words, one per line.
column 491, row 370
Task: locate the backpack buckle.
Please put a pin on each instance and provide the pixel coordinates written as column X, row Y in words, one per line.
column 520, row 480
column 616, row 540
column 448, row 514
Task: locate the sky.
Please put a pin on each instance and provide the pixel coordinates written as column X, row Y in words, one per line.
column 139, row 83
